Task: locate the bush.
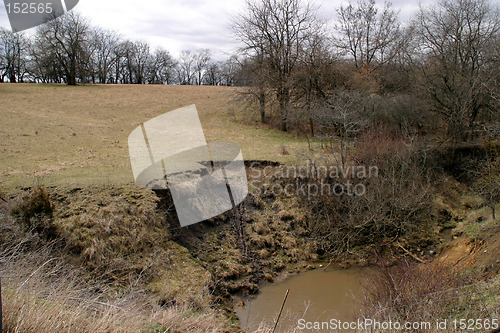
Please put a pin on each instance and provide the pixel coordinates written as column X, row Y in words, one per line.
column 441, row 289
column 396, row 203
column 487, row 183
column 36, row 212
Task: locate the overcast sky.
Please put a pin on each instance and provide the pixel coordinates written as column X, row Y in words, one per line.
column 177, row 25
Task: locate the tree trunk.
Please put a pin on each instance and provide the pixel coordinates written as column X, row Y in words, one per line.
column 12, row 77
column 72, row 72
column 284, row 118
column 283, row 99
column 311, row 125
column 71, row 80
column 472, row 122
column 262, row 101
column 309, row 112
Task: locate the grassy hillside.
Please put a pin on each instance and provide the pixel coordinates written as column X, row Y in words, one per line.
column 132, row 266
column 77, row 136
column 95, row 222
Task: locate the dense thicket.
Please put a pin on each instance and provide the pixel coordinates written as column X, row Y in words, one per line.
column 438, row 70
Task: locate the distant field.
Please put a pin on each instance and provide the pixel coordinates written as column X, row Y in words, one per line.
column 77, row 136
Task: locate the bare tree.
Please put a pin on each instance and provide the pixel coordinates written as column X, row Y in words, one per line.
column 229, row 70
column 105, row 43
column 185, row 68
column 276, row 30
column 162, row 67
column 142, row 61
column 201, row 60
column 488, row 182
column 13, row 55
column 213, row 73
column 344, row 118
column 65, row 39
column 133, row 62
column 315, row 78
column 127, row 52
column 124, row 65
column 459, row 72
column 42, row 66
column 256, row 80
column 368, row 36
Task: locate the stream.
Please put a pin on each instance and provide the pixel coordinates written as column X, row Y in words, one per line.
column 314, row 296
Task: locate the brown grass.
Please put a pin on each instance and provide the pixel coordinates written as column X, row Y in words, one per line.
column 77, row 136
column 62, row 306
column 109, row 266
column 42, row 292
column 428, row 292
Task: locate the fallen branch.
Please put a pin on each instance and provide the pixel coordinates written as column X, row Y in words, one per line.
column 411, row 254
column 279, row 315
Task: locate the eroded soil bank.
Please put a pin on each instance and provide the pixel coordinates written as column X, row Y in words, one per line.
column 118, row 237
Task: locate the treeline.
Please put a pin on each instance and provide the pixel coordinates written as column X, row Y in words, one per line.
column 69, row 50
column 366, row 70
column 369, row 70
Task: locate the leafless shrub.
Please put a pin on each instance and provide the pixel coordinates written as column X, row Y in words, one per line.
column 36, row 211
column 396, row 201
column 408, row 292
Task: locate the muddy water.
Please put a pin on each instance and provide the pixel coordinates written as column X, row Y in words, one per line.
column 316, row 295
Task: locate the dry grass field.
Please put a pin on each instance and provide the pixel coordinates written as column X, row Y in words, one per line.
column 58, row 135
